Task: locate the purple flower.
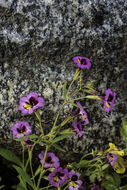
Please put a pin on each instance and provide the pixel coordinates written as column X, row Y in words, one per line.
column 83, row 114
column 109, row 100
column 112, row 158
column 21, row 129
column 58, row 176
column 28, row 142
column 82, row 62
column 30, row 103
column 50, row 161
column 96, row 187
column 78, row 128
column 75, row 183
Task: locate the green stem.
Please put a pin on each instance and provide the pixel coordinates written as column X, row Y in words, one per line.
column 74, row 78
column 42, row 167
column 75, row 92
column 77, row 99
column 22, row 143
column 80, row 80
column 45, row 187
column 22, row 182
column 30, row 158
column 39, row 119
column 54, row 125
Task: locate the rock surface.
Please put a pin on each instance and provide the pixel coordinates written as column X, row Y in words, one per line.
column 39, row 38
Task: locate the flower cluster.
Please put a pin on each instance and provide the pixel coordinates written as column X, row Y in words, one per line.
column 59, row 175
column 50, row 163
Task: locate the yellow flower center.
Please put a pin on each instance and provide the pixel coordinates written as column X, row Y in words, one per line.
column 110, row 158
column 107, row 104
column 27, row 106
column 84, row 116
column 73, row 184
column 56, row 179
column 79, row 61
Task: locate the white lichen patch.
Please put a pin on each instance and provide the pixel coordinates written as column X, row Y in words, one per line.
column 47, row 92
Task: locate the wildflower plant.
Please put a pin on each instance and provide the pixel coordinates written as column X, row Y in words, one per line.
column 96, row 170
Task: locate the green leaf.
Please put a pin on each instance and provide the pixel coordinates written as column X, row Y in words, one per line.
column 76, row 74
column 92, row 177
column 90, row 84
column 82, row 164
column 108, row 186
column 117, row 179
column 58, row 147
column 20, row 187
column 77, row 105
column 65, row 89
column 65, row 121
column 105, row 166
column 123, row 187
column 123, row 130
column 37, row 171
column 37, row 115
column 66, row 131
column 33, row 136
column 93, row 97
column 88, row 91
column 2, row 186
column 59, row 138
column 24, row 175
column 9, row 155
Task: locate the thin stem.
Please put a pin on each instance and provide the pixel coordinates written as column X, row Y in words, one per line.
column 39, row 119
column 75, row 92
column 52, row 130
column 27, row 163
column 81, row 80
column 22, row 182
column 74, row 78
column 45, row 187
column 77, row 99
column 30, row 158
column 42, row 167
column 22, row 143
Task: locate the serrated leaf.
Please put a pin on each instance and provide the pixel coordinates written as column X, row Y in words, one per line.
column 58, row 147
column 33, row 136
column 24, row 175
column 9, row 155
column 64, row 89
column 59, row 138
column 93, row 97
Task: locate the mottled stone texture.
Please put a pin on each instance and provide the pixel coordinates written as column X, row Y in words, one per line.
column 39, row 38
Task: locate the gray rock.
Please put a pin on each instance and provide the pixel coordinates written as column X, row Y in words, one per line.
column 39, row 38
